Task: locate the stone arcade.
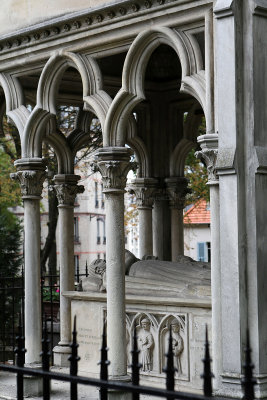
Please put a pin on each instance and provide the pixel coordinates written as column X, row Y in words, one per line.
column 148, row 70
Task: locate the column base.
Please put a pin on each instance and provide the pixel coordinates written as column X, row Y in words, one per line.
column 61, row 355
column 114, row 394
column 32, row 385
column 231, row 386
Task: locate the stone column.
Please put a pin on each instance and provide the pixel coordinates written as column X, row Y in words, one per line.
column 143, row 189
column 241, row 121
column 66, row 188
column 161, row 225
column 177, row 190
column 31, row 175
column 208, row 154
column 114, row 165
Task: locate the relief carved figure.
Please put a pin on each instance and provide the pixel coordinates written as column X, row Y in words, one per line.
column 146, row 345
column 177, row 345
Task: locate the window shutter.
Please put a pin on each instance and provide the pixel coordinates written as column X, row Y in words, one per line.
column 201, row 251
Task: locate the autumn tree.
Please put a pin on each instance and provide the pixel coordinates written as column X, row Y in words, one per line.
column 196, row 173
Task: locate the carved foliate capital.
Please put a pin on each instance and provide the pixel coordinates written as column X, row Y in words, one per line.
column 177, row 188
column 31, row 175
column 114, row 165
column 208, row 153
column 144, row 189
column 67, row 189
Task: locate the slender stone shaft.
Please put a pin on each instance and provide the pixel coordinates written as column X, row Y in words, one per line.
column 66, row 250
column 177, row 232
column 209, row 146
column 216, row 283
column 67, row 189
column 177, row 188
column 116, row 283
column 161, row 230
column 114, row 164
column 31, row 174
column 33, row 323
column 143, row 189
column 145, row 231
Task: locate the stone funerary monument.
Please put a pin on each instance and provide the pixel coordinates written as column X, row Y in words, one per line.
column 149, row 71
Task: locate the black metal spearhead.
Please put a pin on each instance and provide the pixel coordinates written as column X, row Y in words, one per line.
column 45, row 354
column 135, row 360
column 170, row 369
column 248, row 381
column 207, row 374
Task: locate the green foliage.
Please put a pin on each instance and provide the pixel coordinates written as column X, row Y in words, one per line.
column 197, row 174
column 10, row 195
column 50, row 294
column 10, row 242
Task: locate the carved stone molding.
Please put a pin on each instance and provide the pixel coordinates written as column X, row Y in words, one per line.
column 144, row 189
column 31, row 175
column 208, row 153
column 77, row 22
column 177, row 188
column 114, row 164
column 67, row 189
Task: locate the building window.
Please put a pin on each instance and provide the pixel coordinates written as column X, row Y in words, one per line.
column 104, row 230
column 76, row 266
column 203, row 251
column 96, row 195
column 98, row 239
column 98, row 256
column 76, row 229
column 102, row 197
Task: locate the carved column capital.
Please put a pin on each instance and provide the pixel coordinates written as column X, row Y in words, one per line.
column 208, row 153
column 177, row 188
column 114, row 164
column 31, row 175
column 143, row 188
column 67, row 189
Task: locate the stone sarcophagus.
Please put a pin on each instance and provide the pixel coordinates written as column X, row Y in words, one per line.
column 159, row 296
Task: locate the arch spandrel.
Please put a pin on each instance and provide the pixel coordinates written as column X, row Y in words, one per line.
column 139, row 148
column 47, row 90
column 14, row 97
column 132, row 91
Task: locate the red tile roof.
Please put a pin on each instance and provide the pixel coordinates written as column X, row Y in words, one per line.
column 199, row 213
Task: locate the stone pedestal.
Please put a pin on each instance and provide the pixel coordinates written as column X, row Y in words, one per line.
column 31, row 174
column 114, row 165
column 66, row 188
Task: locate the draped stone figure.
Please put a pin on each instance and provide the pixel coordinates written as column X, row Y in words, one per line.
column 146, row 345
column 177, row 345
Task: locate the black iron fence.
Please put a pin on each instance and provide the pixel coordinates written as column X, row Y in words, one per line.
column 12, row 303
column 104, row 384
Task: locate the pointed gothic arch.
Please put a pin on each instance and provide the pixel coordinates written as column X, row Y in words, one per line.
column 132, row 91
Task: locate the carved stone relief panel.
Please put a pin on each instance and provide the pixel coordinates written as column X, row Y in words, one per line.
column 153, row 335
column 179, row 326
column 146, row 327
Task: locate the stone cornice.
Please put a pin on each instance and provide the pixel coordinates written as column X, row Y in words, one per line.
column 260, row 8
column 224, row 8
column 82, row 21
